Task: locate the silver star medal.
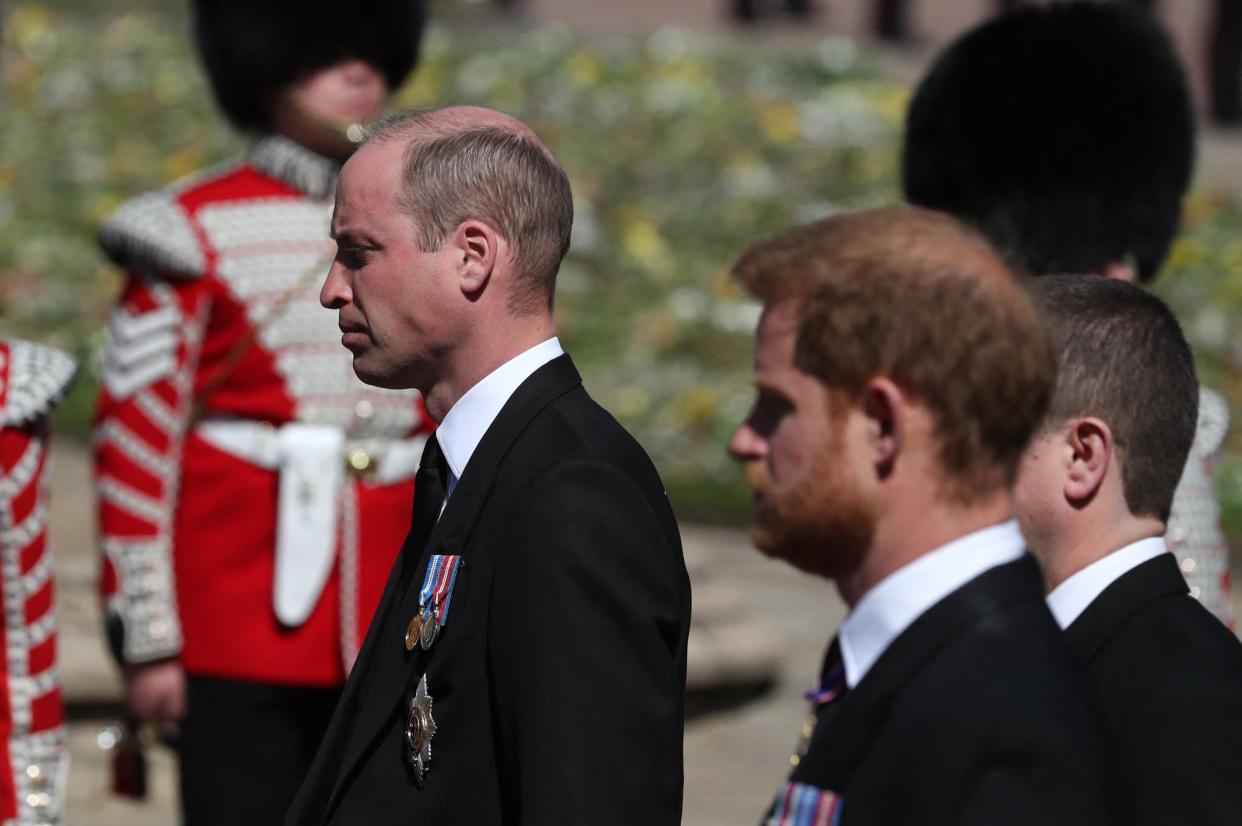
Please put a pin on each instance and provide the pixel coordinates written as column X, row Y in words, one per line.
column 419, row 729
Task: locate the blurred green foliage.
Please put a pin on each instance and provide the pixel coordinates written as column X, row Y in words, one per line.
column 1203, row 284
column 680, row 149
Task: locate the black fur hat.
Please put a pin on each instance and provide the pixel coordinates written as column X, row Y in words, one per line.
column 1064, row 133
column 253, row 48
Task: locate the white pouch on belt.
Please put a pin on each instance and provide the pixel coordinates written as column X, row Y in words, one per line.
column 311, row 475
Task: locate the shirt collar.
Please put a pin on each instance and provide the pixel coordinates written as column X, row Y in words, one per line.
column 467, row 420
column 295, row 165
column 906, row 594
column 1069, row 599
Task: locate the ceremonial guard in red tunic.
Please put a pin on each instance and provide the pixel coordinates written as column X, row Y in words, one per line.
column 252, row 492
column 32, row 716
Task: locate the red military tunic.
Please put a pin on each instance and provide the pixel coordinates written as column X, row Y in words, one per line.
column 219, row 361
column 32, row 719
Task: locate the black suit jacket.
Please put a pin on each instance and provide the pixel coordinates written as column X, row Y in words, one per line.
column 975, row 714
column 558, row 682
column 1169, row 676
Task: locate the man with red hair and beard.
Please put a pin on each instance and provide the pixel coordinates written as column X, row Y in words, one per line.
column 900, row 370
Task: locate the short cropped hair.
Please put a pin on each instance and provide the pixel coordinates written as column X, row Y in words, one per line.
column 489, row 173
column 1123, row 359
column 1064, row 133
column 917, row 297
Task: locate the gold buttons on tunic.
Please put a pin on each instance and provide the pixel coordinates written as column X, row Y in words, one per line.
column 359, row 461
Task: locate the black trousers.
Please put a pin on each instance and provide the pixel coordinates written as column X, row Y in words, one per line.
column 245, row 748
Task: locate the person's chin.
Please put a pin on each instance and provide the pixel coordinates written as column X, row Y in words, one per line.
column 798, row 552
column 370, row 373
column 766, row 541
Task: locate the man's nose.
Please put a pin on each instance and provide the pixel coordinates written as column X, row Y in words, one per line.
column 745, row 443
column 335, row 292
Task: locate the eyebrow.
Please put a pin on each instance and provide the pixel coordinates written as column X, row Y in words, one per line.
column 352, row 234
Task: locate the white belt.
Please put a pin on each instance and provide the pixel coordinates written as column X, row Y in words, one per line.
column 312, row 462
column 382, row 461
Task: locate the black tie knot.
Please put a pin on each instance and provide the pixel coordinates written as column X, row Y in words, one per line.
column 433, row 472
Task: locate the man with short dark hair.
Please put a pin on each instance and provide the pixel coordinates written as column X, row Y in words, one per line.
column 527, row 663
column 900, row 370
column 1065, row 134
column 1094, row 493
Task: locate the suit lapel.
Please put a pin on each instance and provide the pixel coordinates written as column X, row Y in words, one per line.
column 1132, row 590
column 846, row 736
column 390, row 668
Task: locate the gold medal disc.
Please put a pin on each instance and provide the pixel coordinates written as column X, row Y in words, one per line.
column 413, row 631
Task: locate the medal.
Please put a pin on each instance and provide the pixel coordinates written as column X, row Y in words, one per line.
column 413, row 632
column 433, row 601
column 430, row 628
column 420, row 727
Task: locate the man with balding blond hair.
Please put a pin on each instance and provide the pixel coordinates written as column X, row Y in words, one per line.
column 527, row 663
column 900, row 370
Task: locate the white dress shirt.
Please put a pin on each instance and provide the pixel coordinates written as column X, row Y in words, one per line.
column 467, row 420
column 906, row 594
column 1069, row 599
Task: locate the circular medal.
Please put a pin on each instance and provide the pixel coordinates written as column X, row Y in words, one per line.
column 418, row 728
column 431, row 628
column 413, row 631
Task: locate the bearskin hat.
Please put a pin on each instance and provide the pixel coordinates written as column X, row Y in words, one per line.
column 1064, row 133
column 254, row 48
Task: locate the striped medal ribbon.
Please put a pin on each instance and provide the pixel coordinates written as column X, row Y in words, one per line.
column 799, row 804
column 436, row 596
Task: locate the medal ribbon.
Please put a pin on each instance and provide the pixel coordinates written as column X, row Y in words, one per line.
column 828, row 690
column 798, row 804
column 438, row 584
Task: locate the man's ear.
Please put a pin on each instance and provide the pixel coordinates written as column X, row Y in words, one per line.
column 884, row 406
column 477, row 246
column 1090, row 444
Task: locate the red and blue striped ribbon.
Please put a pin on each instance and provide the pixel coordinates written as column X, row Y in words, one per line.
column 799, row 804
column 438, row 584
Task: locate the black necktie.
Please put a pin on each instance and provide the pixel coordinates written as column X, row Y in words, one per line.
column 430, row 482
column 429, row 492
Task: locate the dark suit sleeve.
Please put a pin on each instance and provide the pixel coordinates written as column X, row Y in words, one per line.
column 587, row 653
